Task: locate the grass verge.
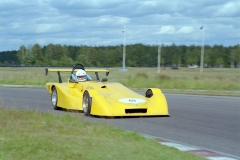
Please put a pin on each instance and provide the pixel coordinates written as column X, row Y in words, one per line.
column 37, row 135
column 212, row 81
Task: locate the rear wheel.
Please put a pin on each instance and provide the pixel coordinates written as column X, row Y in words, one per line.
column 54, row 98
column 86, row 103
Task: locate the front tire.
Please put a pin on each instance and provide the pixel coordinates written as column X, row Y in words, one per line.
column 86, row 103
column 54, row 98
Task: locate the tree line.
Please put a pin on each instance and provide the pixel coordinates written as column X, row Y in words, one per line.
column 137, row 55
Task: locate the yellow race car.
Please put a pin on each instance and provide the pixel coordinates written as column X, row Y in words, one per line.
column 102, row 98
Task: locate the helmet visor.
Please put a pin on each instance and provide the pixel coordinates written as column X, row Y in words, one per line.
column 82, row 78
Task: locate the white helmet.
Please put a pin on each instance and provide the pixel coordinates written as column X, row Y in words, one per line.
column 81, row 75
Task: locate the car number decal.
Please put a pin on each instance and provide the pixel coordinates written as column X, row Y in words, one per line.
column 131, row 100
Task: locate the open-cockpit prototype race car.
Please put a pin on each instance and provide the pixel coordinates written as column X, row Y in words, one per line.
column 102, row 98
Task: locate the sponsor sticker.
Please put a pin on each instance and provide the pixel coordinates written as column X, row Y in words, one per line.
column 132, row 100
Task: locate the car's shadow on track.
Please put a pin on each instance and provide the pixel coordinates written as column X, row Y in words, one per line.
column 127, row 117
column 110, row 117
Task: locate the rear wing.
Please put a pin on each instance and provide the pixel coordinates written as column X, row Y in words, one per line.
column 70, row 70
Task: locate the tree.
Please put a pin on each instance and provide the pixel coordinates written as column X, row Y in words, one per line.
column 38, row 55
column 65, row 61
column 21, row 54
column 29, row 58
column 137, row 55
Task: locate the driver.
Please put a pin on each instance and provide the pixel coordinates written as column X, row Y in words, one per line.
column 81, row 75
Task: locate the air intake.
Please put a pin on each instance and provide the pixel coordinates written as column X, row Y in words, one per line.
column 129, row 111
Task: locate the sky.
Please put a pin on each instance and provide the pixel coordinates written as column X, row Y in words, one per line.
column 116, row 22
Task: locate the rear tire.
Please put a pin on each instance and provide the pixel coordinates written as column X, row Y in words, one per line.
column 54, row 98
column 86, row 103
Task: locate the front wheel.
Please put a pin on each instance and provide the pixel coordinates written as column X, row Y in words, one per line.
column 54, row 98
column 86, row 103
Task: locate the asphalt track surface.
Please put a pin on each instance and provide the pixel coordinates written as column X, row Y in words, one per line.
column 210, row 122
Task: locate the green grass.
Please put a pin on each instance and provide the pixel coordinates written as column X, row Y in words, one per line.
column 36, row 135
column 210, row 79
column 213, row 80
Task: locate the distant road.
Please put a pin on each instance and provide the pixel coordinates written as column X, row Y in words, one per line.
column 210, row 122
